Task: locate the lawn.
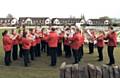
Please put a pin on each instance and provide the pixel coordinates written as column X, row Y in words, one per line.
column 40, row 67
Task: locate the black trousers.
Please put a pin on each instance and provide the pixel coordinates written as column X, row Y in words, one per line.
column 82, row 51
column 32, row 52
column 59, row 49
column 76, row 55
column 26, row 56
column 67, row 50
column 48, row 50
column 100, row 52
column 38, row 50
column 53, row 54
column 20, row 51
column 110, row 54
column 15, row 52
column 91, row 48
column 7, row 58
column 43, row 44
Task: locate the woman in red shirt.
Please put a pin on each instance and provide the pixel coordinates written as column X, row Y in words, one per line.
column 76, row 43
column 43, row 42
column 67, row 48
column 26, row 44
column 53, row 43
column 112, row 43
column 20, row 42
column 15, row 45
column 33, row 44
column 100, row 45
column 38, row 41
column 7, row 45
column 60, row 40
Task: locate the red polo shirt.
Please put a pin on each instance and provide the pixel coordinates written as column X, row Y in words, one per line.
column 16, row 41
column 53, row 39
column 100, row 40
column 76, row 41
column 112, row 39
column 26, row 43
column 7, row 43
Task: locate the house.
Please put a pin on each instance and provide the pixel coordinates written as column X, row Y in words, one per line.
column 8, row 21
column 34, row 21
column 66, row 21
column 115, row 22
column 98, row 22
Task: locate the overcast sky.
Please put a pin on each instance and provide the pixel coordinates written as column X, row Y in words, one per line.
column 60, row 8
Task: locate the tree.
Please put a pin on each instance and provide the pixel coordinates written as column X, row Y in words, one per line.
column 9, row 16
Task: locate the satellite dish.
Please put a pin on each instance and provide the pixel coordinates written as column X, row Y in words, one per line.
column 56, row 21
column 14, row 21
column 28, row 21
column 47, row 21
column 106, row 22
column 90, row 22
column 82, row 21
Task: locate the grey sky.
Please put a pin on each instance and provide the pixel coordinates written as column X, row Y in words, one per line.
column 60, row 8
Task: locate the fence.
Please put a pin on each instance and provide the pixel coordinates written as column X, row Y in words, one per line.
column 89, row 71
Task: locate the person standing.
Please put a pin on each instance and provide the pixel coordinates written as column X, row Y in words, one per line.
column 91, row 41
column 76, row 43
column 7, row 45
column 53, row 43
column 60, row 41
column 26, row 44
column 15, row 45
column 43, row 42
column 112, row 43
column 33, row 44
column 20, row 42
column 38, row 41
column 67, row 47
column 81, row 48
column 100, row 44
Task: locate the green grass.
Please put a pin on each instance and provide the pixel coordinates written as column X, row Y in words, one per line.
column 40, row 67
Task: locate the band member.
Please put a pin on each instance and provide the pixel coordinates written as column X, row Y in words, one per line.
column 76, row 43
column 47, row 45
column 52, row 42
column 112, row 43
column 91, row 41
column 26, row 44
column 81, row 48
column 7, row 45
column 67, row 48
column 15, row 45
column 38, row 41
column 20, row 42
column 33, row 44
column 100, row 44
column 43, row 42
column 60, row 40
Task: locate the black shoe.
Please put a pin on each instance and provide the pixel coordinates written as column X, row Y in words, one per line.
column 90, row 53
column 7, row 64
column 32, row 59
column 74, row 63
column 109, row 64
column 52, row 65
column 100, row 60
